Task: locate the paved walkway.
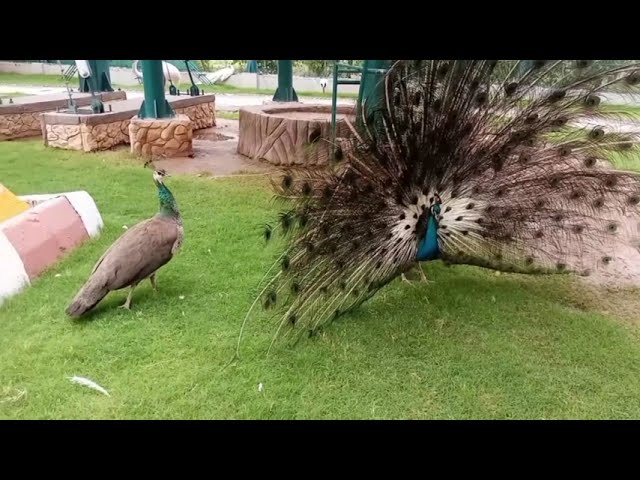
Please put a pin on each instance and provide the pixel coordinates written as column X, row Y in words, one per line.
column 224, row 101
column 234, row 101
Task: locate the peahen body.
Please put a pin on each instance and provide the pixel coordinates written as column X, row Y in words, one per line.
column 136, row 255
column 486, row 163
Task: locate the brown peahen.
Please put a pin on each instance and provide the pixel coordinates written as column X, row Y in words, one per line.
column 136, row 255
column 500, row 164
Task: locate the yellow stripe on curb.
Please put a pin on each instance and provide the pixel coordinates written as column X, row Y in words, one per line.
column 10, row 205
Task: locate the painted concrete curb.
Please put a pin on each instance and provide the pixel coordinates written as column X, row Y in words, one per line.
column 32, row 241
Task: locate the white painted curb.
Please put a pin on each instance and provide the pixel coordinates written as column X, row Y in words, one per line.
column 82, row 203
column 14, row 277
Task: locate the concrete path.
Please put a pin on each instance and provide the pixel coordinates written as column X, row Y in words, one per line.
column 234, row 101
column 224, row 101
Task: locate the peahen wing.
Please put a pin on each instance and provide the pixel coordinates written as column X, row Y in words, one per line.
column 139, row 252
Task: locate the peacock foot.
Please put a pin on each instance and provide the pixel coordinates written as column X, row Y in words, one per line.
column 406, row 280
column 423, row 277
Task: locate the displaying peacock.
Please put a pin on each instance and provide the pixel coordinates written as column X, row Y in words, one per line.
column 498, row 164
column 136, row 255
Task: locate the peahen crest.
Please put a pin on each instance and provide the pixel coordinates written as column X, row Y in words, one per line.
column 499, row 164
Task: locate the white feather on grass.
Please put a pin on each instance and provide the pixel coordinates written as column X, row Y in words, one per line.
column 88, row 383
column 9, row 395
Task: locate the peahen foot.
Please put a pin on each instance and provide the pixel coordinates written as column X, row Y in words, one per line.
column 152, row 279
column 127, row 304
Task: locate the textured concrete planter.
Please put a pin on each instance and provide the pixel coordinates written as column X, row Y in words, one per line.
column 167, row 137
column 23, row 118
column 95, row 132
column 291, row 133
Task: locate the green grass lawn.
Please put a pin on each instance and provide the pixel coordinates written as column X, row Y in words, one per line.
column 472, row 345
column 57, row 81
column 37, row 79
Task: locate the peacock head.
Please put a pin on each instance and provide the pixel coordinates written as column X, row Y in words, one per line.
column 436, row 206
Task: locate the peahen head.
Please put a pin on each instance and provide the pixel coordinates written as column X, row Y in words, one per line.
column 159, row 175
column 168, row 204
column 428, row 247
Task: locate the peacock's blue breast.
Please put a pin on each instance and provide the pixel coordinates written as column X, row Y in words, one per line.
column 428, row 248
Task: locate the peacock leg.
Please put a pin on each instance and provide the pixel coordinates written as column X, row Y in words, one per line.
column 152, row 279
column 127, row 305
column 412, row 270
column 424, row 277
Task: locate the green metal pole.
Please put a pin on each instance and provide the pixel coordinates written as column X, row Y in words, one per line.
column 334, row 105
column 371, row 94
column 100, row 79
column 285, row 91
column 155, row 104
column 194, row 91
column 252, row 66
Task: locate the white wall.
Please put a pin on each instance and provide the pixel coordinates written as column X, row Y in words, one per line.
column 38, row 68
column 302, row 84
column 124, row 76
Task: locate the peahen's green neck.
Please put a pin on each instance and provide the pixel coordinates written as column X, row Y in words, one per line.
column 168, row 204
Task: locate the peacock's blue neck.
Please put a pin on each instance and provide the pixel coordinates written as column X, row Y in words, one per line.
column 168, row 205
column 428, row 248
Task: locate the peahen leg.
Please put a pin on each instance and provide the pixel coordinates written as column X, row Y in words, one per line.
column 127, row 304
column 152, row 279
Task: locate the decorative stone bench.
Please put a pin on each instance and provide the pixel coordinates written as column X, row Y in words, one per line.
column 103, row 131
column 22, row 118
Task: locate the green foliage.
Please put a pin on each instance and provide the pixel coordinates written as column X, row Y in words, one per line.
column 314, row 68
column 317, row 68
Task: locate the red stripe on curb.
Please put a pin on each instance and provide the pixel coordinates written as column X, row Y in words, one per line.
column 45, row 233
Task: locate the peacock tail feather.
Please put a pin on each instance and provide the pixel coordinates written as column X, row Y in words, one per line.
column 501, row 164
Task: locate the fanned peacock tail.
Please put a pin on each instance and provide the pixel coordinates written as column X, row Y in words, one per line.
column 500, row 164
